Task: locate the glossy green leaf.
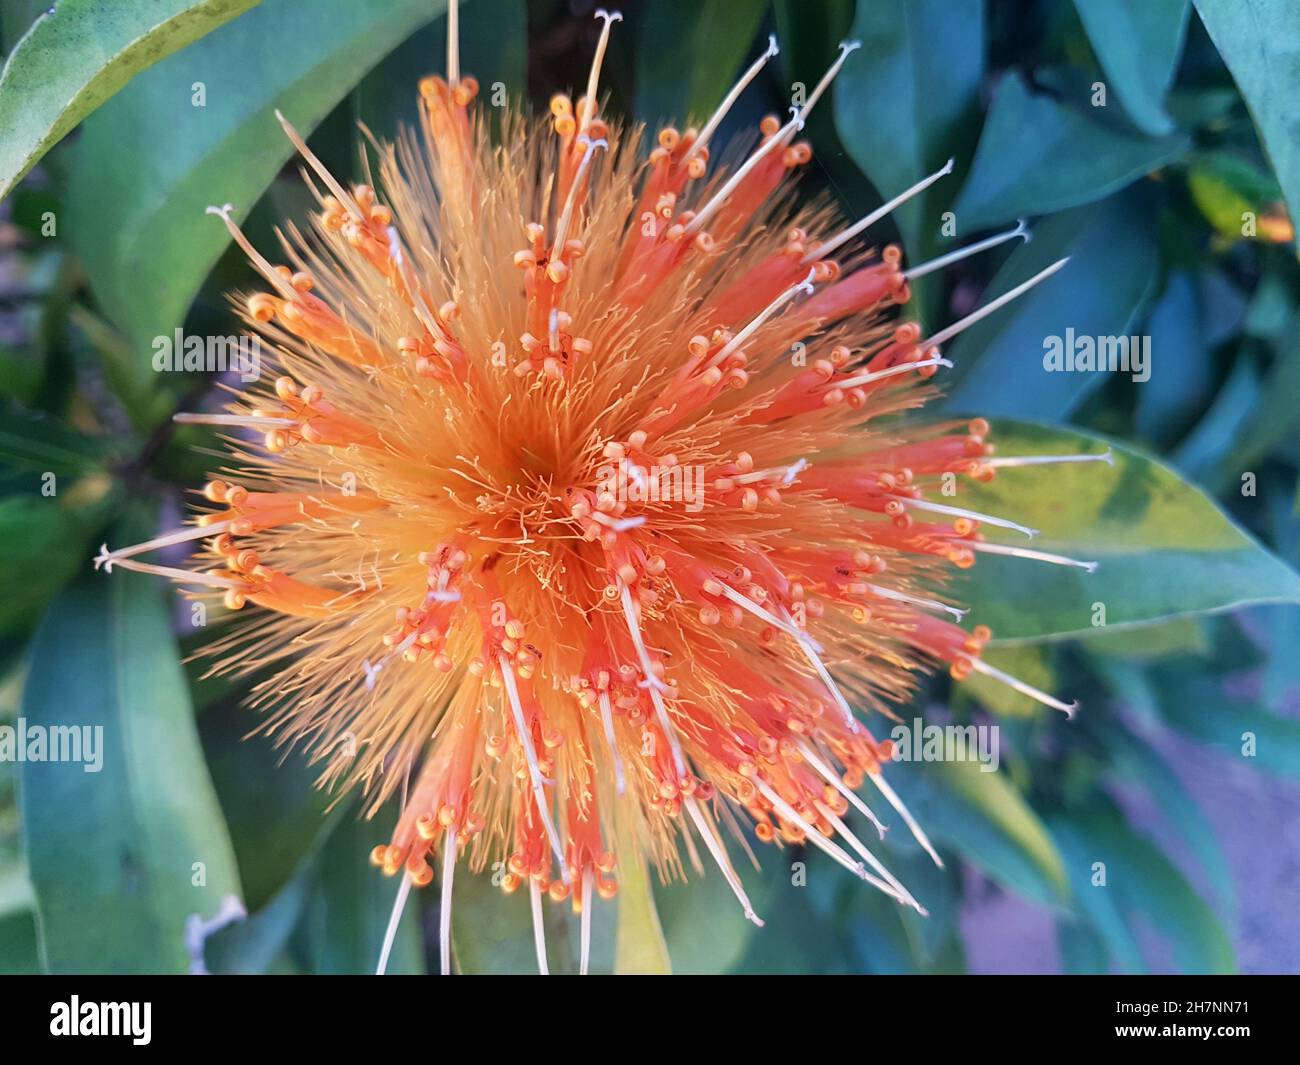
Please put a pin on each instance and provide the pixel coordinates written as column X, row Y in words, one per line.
column 1200, row 708
column 1138, row 46
column 639, row 947
column 150, row 162
column 1163, row 548
column 47, row 539
column 688, row 57
column 144, row 833
column 999, row 362
column 904, row 100
column 1258, row 41
column 985, row 818
column 347, row 914
column 1037, row 155
column 1141, row 880
column 1170, row 400
column 79, row 54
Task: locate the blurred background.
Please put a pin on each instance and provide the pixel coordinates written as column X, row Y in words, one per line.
column 1156, row 143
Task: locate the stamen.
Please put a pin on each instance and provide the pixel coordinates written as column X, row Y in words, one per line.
column 891, row 885
column 340, row 193
column 444, row 908
column 957, row 256
column 399, row 904
column 823, row 250
column 980, row 666
column 259, row 261
column 243, row 421
column 562, row 227
column 777, row 140
column 973, row 515
column 901, row 368
column 811, row 832
column 607, row 720
column 539, row 930
column 805, row 286
column 534, row 771
column 180, row 536
column 745, row 603
column 181, row 576
column 594, row 77
column 805, row 642
column 945, row 335
column 453, row 43
column 793, row 470
column 719, row 854
column 617, row 524
column 1012, row 461
column 729, row 101
column 891, row 796
column 1024, row 552
column 846, row 48
column 834, row 780
column 584, row 957
column 916, row 600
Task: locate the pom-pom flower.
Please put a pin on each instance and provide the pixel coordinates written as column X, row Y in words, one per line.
column 590, row 491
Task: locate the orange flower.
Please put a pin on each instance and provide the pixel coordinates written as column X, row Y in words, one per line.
column 590, row 482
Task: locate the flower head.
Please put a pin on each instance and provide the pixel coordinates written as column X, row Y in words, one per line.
column 590, row 482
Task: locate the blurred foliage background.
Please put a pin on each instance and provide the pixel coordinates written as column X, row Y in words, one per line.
column 1156, row 143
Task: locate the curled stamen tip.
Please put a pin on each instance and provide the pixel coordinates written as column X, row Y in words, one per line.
column 1022, row 230
column 1071, row 710
column 772, row 49
column 754, row 918
column 104, row 558
column 222, row 212
column 849, row 46
column 947, row 167
column 371, row 673
column 609, row 16
column 1091, row 567
column 1108, row 457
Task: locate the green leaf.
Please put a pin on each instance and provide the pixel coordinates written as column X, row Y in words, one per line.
column 1163, row 548
column 1199, row 707
column 687, row 58
column 276, row 824
column 999, row 367
column 1037, row 156
column 348, row 912
column 1258, row 41
column 639, row 947
column 1140, row 879
column 1226, row 188
column 985, row 818
column 46, row 541
column 1170, row 401
column 124, row 842
column 137, row 212
column 1138, row 46
column 904, row 99
column 79, row 54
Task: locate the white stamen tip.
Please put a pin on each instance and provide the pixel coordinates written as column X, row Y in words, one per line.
column 772, row 50
column 608, row 16
column 222, row 212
